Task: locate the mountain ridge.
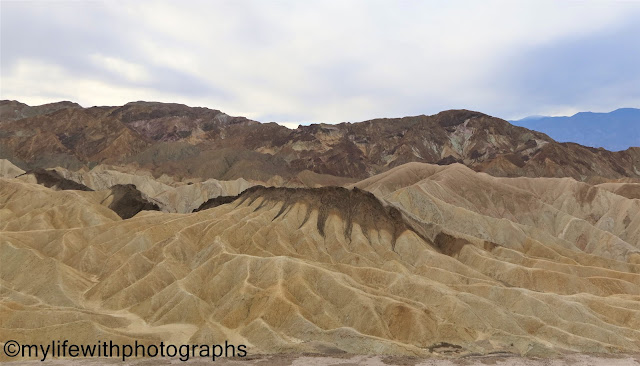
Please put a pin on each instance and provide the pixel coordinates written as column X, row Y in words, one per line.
column 169, row 138
column 616, row 130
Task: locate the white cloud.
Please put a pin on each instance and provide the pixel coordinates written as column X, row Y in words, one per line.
column 130, row 71
column 34, row 82
column 328, row 61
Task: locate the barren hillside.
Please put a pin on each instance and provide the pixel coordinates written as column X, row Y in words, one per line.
column 203, row 143
column 449, row 235
column 436, row 260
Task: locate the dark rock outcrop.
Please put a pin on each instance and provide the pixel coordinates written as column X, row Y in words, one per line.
column 51, row 179
column 128, row 201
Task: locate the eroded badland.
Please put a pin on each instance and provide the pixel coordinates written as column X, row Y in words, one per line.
column 450, row 235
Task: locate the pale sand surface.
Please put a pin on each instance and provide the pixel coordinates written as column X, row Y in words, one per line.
column 349, row 360
column 423, row 260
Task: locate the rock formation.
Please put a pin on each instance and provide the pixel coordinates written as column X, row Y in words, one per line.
column 445, row 235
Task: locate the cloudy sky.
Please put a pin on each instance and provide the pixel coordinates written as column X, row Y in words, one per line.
column 326, row 61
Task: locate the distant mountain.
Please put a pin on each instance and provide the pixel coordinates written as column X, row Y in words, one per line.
column 615, row 131
column 12, row 110
column 178, row 140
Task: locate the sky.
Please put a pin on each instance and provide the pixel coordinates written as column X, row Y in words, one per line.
column 326, row 61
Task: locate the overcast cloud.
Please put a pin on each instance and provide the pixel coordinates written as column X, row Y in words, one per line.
column 326, row 61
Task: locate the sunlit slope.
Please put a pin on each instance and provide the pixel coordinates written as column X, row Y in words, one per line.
column 629, row 190
column 8, row 170
column 168, row 194
column 483, row 269
column 510, row 211
column 27, row 206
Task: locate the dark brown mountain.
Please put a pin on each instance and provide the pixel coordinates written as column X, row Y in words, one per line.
column 51, row 179
column 13, row 110
column 215, row 202
column 127, row 201
column 201, row 142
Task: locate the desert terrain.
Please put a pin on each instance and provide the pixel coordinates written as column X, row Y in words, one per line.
column 453, row 239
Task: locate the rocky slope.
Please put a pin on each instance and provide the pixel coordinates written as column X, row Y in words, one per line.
column 12, row 110
column 199, row 142
column 435, row 260
column 166, row 193
column 8, row 170
column 324, row 239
